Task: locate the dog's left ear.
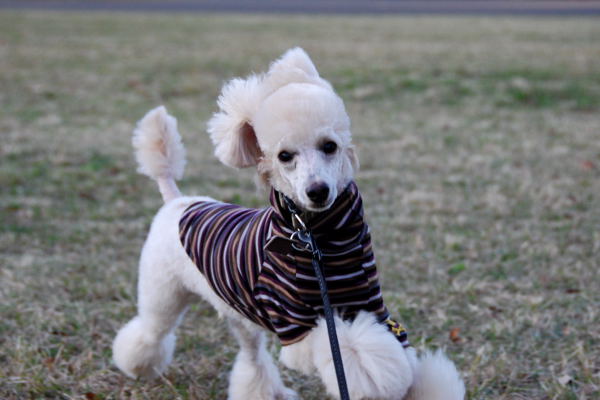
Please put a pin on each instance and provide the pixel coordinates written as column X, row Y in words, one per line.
column 231, row 128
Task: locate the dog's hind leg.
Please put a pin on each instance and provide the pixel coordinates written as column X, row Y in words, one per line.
column 144, row 346
column 254, row 374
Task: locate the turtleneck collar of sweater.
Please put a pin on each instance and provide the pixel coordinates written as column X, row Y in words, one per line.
column 346, row 208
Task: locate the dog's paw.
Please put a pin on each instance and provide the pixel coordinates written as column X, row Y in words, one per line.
column 287, row 394
column 139, row 354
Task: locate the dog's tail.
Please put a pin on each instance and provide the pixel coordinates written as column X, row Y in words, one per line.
column 159, row 151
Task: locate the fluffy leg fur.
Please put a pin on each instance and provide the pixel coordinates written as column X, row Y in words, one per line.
column 376, row 365
column 144, row 346
column 254, row 375
column 436, row 378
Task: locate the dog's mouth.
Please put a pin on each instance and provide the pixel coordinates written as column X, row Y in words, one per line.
column 316, row 207
column 319, row 208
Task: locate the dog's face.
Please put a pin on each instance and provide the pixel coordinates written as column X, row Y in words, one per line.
column 291, row 125
column 304, row 136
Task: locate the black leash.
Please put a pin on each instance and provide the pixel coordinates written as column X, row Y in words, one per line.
column 304, row 236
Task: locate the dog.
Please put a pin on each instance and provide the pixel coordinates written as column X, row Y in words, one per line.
column 293, row 128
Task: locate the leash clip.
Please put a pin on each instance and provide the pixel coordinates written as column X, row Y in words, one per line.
column 301, row 240
column 299, row 220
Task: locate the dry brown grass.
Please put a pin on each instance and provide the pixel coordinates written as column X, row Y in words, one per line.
column 480, row 148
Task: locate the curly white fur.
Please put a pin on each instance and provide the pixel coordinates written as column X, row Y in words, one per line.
column 230, row 129
column 238, row 102
column 138, row 352
column 245, row 132
column 159, row 151
column 367, row 346
column 436, row 378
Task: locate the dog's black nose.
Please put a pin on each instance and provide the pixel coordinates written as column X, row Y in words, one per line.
column 318, row 192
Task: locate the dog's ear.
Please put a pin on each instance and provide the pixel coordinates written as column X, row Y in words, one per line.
column 353, row 158
column 231, row 127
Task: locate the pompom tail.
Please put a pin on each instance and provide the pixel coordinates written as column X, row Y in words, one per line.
column 159, row 151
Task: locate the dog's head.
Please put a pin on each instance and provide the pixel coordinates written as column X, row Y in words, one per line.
column 292, row 126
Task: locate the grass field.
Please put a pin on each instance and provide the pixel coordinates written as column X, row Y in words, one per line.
column 480, row 147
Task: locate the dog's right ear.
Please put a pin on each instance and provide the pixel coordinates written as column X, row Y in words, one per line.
column 231, row 127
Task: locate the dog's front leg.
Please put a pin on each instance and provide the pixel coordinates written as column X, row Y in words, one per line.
column 254, row 375
column 375, row 363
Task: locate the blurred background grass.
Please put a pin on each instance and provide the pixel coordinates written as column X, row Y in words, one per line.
column 479, row 140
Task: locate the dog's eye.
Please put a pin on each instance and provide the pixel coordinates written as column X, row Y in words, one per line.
column 285, row 156
column 329, row 147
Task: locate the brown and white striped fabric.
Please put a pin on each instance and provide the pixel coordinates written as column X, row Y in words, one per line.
column 249, row 262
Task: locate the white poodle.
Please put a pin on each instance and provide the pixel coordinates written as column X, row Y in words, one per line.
column 292, row 126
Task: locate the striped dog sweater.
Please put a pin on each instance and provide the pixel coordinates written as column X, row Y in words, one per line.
column 246, row 256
